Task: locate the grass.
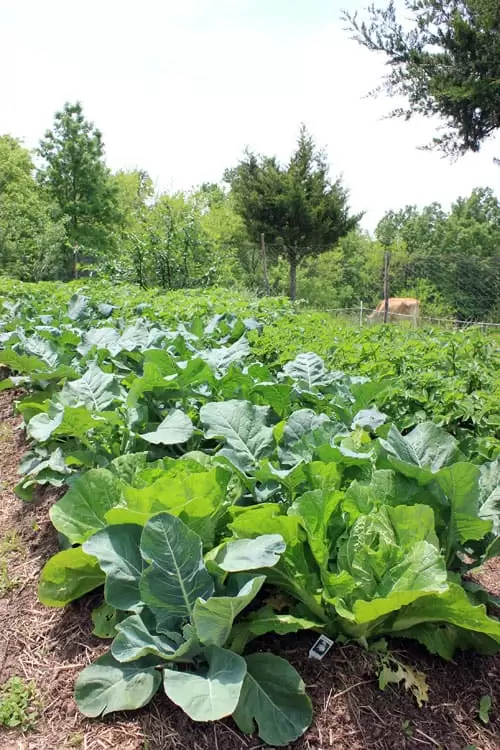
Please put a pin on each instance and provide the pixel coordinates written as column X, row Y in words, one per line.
column 20, row 704
column 11, row 544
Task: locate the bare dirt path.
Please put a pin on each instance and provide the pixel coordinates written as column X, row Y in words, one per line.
column 50, row 646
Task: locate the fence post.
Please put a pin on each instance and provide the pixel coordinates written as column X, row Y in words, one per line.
column 387, row 259
column 264, row 264
column 361, row 313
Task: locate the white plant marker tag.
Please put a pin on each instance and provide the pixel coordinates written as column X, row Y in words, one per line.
column 320, row 648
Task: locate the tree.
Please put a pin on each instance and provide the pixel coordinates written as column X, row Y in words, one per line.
column 297, row 207
column 446, row 63
column 75, row 175
column 456, row 253
column 30, row 241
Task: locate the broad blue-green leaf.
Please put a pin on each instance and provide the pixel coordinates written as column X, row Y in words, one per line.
column 242, row 426
column 213, row 618
column 67, row 576
column 369, row 419
column 421, row 453
column 22, row 362
column 250, row 554
column 81, row 512
column 78, row 307
column 209, row 694
column 101, row 338
column 117, row 549
column 41, row 426
column 106, row 685
column 176, row 575
column 219, row 359
column 489, row 494
column 176, row 428
column 266, row 620
column 304, row 432
column 95, row 389
column 274, row 698
column 309, row 370
column 135, row 638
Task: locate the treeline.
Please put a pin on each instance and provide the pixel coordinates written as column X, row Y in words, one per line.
column 64, row 214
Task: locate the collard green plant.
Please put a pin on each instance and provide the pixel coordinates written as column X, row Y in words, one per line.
column 178, row 629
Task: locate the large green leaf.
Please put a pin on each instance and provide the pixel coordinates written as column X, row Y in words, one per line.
column 210, row 694
column 489, row 493
column 176, row 576
column 242, row 426
column 421, row 453
column 308, row 370
column 106, row 685
column 453, row 608
column 304, row 432
column 213, row 618
column 136, row 638
column 274, row 698
column 95, row 389
column 67, row 576
column 118, row 552
column 81, row 512
column 460, row 484
column 176, row 428
column 314, row 510
column 41, row 426
column 250, row 554
column 198, row 499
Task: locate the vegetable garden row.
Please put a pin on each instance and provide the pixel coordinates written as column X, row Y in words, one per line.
column 210, row 468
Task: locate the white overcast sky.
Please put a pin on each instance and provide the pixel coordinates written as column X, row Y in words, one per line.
column 180, row 87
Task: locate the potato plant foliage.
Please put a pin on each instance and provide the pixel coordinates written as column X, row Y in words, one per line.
column 205, row 471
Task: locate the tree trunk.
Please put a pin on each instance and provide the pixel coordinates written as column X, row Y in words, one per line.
column 293, row 278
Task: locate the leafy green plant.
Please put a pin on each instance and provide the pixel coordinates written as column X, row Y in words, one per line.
column 177, row 628
column 19, row 703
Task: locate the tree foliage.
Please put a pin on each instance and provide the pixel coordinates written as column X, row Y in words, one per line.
column 296, row 206
column 445, row 62
column 75, row 175
column 30, row 240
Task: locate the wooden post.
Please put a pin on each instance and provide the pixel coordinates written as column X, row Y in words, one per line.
column 361, row 313
column 387, row 259
column 264, row 264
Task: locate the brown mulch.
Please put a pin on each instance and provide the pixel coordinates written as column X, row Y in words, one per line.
column 50, row 646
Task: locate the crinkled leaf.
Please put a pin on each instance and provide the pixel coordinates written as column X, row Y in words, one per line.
column 95, row 389
column 243, row 428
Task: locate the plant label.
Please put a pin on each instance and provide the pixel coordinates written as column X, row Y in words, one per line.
column 320, row 648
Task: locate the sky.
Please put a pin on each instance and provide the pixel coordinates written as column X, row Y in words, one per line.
column 180, row 87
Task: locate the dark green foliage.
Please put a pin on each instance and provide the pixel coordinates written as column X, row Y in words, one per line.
column 297, row 207
column 74, row 174
column 446, row 62
column 29, row 237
